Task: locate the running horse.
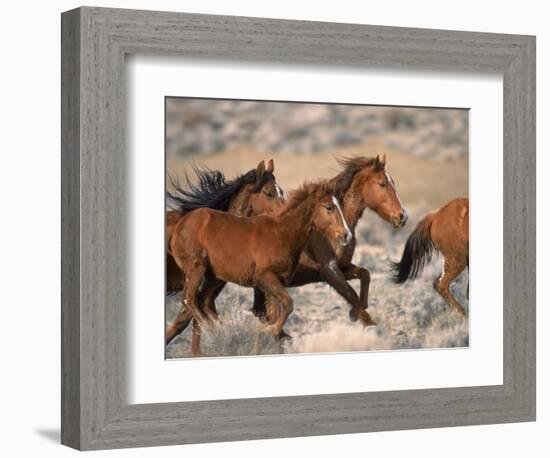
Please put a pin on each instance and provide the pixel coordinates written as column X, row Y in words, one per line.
column 445, row 230
column 212, row 248
column 363, row 183
column 255, row 192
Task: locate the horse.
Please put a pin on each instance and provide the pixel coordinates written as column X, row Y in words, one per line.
column 446, row 231
column 213, row 248
column 363, row 183
column 255, row 192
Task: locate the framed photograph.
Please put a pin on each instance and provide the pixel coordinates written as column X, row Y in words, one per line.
column 278, row 228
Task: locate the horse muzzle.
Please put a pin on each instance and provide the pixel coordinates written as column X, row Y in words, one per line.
column 401, row 220
column 345, row 239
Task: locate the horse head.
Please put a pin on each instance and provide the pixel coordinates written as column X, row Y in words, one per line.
column 265, row 196
column 328, row 218
column 372, row 186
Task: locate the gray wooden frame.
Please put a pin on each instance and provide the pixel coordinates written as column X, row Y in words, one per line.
column 95, row 41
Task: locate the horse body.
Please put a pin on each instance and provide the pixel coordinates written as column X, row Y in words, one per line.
column 447, row 231
column 364, row 183
column 212, row 247
column 252, row 245
column 253, row 193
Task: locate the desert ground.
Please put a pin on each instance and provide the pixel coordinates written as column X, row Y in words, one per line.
column 427, row 155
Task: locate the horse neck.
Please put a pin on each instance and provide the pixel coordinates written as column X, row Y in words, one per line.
column 297, row 222
column 354, row 206
column 240, row 201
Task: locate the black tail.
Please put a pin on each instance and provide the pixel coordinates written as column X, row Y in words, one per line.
column 417, row 253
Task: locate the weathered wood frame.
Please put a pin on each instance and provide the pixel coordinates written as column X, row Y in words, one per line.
column 95, row 41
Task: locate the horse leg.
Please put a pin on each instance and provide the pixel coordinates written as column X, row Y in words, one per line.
column 265, row 313
column 208, row 298
column 208, row 305
column 196, row 340
column 451, row 269
column 173, row 275
column 353, row 272
column 259, row 309
column 332, row 274
column 274, row 291
column 178, row 324
column 181, row 321
column 304, row 275
column 195, row 276
column 184, row 317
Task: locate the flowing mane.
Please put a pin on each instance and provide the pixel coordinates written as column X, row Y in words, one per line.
column 211, row 190
column 313, row 190
column 350, row 165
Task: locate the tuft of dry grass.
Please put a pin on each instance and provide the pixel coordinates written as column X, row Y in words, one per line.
column 238, row 333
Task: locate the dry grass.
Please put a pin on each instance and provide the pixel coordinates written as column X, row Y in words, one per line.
column 408, row 316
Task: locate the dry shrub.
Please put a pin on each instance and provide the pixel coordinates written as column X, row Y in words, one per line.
column 239, row 333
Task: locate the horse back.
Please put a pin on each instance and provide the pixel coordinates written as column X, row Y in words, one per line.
column 450, row 226
column 172, row 218
column 236, row 247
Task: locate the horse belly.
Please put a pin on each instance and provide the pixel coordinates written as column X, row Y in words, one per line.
column 230, row 259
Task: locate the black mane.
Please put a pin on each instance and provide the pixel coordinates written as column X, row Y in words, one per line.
column 211, row 190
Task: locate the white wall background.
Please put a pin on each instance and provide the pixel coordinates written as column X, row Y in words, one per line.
column 29, row 227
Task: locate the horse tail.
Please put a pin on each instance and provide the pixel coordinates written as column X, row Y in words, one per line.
column 417, row 253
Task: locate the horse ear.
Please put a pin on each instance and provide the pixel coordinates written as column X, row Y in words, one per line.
column 260, row 170
column 270, row 166
column 380, row 162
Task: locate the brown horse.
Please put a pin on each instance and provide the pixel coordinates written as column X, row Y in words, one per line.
column 445, row 230
column 253, row 193
column 363, row 183
column 213, row 248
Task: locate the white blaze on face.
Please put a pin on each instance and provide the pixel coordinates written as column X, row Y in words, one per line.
column 349, row 235
column 390, row 180
column 279, row 192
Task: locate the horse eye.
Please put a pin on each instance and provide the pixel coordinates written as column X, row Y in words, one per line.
column 269, row 194
column 383, row 184
column 330, row 208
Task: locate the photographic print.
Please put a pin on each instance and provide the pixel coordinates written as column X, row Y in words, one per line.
column 300, row 227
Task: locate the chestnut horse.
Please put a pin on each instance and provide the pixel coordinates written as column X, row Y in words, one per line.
column 256, row 192
column 213, row 248
column 363, row 183
column 445, row 230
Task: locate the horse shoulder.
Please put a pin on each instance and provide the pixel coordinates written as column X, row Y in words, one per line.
column 194, row 225
column 320, row 251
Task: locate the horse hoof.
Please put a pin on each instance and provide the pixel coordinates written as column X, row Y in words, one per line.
column 353, row 316
column 260, row 314
column 283, row 336
column 365, row 319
